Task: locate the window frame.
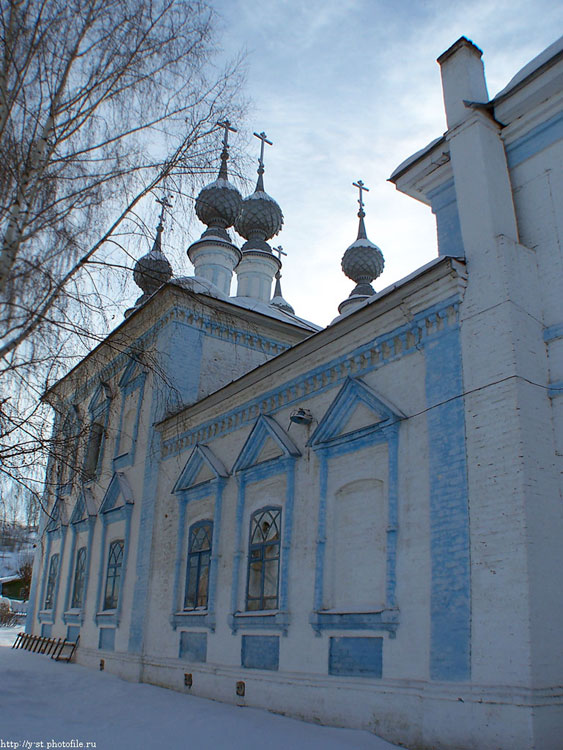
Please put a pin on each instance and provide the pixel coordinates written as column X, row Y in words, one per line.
column 79, row 578
column 94, row 449
column 198, row 555
column 115, row 568
column 67, row 462
column 52, row 575
column 260, row 548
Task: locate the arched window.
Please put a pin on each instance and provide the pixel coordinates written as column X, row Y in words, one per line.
column 51, row 581
column 79, row 579
column 197, row 574
column 113, row 577
column 264, row 559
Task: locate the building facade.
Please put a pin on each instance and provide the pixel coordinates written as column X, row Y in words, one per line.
column 359, row 525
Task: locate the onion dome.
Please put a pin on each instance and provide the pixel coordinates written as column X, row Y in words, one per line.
column 260, row 217
column 219, row 203
column 363, row 261
column 152, row 270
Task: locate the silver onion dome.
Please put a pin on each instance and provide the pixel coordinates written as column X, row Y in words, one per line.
column 260, row 217
column 153, row 269
column 363, row 261
column 218, row 204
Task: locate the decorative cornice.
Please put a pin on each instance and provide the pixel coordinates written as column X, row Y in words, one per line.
column 386, row 348
column 189, row 317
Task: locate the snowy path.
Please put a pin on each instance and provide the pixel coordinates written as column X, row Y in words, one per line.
column 42, row 700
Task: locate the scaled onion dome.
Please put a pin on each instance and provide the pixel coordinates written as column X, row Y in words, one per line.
column 219, row 203
column 363, row 261
column 152, row 270
column 260, row 217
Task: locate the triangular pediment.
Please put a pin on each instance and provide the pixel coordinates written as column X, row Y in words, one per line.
column 118, row 493
column 202, row 466
column 101, row 398
column 132, row 371
column 356, row 408
column 84, row 508
column 267, row 441
column 58, row 517
column 361, row 416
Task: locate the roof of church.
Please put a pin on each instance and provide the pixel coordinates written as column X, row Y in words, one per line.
column 545, row 59
column 535, row 67
column 444, row 267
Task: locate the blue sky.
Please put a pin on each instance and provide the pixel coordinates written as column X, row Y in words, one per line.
column 348, row 89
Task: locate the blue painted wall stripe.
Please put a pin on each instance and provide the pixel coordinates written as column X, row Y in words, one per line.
column 450, row 639
column 539, row 138
column 182, row 368
column 444, row 207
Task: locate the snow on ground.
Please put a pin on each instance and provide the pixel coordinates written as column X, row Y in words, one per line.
column 42, row 700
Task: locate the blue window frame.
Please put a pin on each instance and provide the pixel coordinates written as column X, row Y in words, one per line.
column 51, row 581
column 197, row 572
column 113, row 577
column 264, row 560
column 79, row 579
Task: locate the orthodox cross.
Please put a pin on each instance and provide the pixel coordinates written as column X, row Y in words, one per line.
column 279, row 250
column 164, row 204
column 361, row 187
column 264, row 139
column 228, row 128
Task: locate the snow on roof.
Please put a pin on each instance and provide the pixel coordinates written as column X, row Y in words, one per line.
column 220, row 182
column 249, row 303
column 419, row 154
column 378, row 295
column 200, row 285
column 531, row 67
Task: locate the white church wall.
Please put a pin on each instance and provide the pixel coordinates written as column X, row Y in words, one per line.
column 298, row 663
column 420, row 518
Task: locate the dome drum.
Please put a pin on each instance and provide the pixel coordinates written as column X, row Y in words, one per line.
column 215, row 261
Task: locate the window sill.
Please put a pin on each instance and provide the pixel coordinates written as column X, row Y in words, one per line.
column 201, row 618
column 384, row 619
column 46, row 616
column 73, row 616
column 270, row 619
column 108, row 617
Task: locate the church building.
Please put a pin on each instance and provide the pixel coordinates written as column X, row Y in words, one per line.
column 360, row 525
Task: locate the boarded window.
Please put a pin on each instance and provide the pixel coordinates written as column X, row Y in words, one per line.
column 356, row 547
